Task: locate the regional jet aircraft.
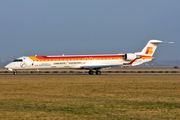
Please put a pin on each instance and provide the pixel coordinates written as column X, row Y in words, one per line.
column 86, row 62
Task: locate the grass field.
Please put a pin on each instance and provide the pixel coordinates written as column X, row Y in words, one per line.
column 90, row 97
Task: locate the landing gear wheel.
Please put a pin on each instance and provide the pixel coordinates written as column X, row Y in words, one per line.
column 14, row 73
column 91, row 72
column 98, row 72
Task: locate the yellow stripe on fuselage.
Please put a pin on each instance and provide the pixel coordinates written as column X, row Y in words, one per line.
column 74, row 58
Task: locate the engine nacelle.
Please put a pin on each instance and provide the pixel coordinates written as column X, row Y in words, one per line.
column 131, row 56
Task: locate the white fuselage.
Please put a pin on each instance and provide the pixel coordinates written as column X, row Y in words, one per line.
column 77, row 62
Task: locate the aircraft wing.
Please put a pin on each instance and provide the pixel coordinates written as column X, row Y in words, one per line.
column 101, row 66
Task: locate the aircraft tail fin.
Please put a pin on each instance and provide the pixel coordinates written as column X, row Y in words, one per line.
column 151, row 46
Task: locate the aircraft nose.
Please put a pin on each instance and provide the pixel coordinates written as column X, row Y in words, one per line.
column 6, row 66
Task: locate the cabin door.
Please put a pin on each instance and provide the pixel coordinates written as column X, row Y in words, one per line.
column 28, row 62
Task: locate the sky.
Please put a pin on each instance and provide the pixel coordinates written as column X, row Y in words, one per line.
column 70, row 27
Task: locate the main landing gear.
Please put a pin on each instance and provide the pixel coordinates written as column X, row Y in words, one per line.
column 92, row 72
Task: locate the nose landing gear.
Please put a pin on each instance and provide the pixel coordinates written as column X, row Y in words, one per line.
column 92, row 72
column 14, row 72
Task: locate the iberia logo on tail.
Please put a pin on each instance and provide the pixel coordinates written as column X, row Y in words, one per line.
column 149, row 50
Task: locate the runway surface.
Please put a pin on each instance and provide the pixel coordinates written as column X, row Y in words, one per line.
column 133, row 71
column 86, row 75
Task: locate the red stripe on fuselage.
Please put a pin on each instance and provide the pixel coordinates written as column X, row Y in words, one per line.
column 79, row 57
column 132, row 61
column 144, row 56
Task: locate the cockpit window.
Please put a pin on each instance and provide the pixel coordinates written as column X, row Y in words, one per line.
column 18, row 60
